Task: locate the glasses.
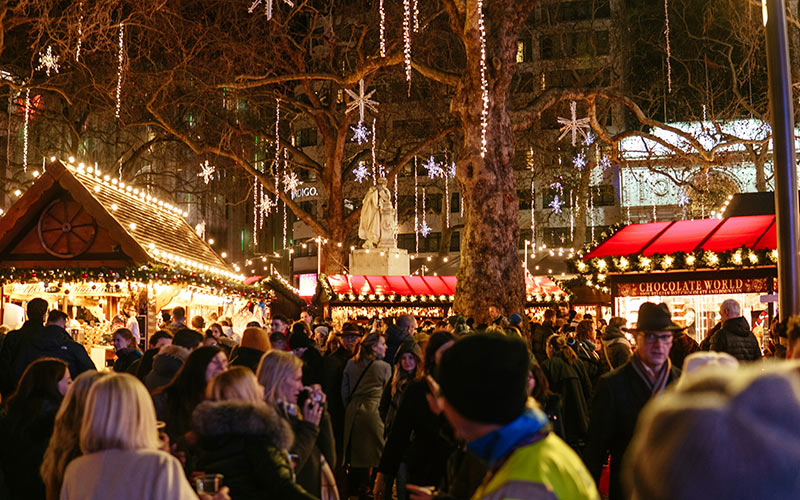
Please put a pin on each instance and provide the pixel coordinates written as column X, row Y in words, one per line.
column 652, row 338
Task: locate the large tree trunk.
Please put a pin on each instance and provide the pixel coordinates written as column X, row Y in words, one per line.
column 490, row 271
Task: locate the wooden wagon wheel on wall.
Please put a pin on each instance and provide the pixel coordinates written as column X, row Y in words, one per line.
column 66, row 229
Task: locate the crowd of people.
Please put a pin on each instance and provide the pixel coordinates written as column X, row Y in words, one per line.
column 569, row 408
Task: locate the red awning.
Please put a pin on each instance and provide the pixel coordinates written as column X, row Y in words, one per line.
column 421, row 285
column 716, row 235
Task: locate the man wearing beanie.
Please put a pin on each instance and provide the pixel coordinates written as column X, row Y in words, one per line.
column 255, row 342
column 482, row 388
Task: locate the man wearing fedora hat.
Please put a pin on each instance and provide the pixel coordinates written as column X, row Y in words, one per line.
column 621, row 394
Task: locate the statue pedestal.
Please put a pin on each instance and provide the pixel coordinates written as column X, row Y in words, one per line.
column 380, row 262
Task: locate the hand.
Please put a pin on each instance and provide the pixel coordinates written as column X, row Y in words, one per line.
column 312, row 412
column 222, row 494
column 419, row 492
column 435, row 400
column 316, row 392
column 380, row 487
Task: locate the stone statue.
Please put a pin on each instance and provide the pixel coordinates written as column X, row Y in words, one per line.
column 377, row 225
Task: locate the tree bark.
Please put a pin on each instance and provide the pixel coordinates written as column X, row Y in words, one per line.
column 490, row 271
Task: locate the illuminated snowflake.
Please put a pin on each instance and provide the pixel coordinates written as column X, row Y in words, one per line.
column 556, row 204
column 573, row 125
column 589, row 139
column 683, row 199
column 361, row 172
column 434, row 169
column 266, row 205
column 360, row 133
column 290, row 181
column 451, row 170
column 361, row 101
column 267, row 6
column 555, row 185
column 424, row 229
column 579, row 161
column 207, row 171
column 48, row 61
column 605, row 162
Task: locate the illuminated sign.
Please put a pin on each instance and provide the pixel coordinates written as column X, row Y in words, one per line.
column 305, row 192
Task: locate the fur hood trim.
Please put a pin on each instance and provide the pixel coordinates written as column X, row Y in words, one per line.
column 219, row 418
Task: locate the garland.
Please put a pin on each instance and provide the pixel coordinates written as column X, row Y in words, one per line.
column 142, row 274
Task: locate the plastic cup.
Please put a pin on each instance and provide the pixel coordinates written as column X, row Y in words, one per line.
column 208, row 483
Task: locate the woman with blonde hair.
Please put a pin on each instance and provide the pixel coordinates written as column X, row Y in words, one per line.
column 244, row 439
column 64, row 446
column 365, row 377
column 121, row 456
column 281, row 375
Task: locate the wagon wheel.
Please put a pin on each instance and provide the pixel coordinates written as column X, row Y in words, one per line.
column 66, row 230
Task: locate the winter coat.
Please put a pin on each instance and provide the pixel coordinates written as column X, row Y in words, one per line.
column 332, row 374
column 54, row 342
column 310, row 443
column 312, row 366
column 705, row 344
column 24, row 437
column 616, row 348
column 247, row 356
column 146, row 363
column 9, row 372
column 736, row 339
column 539, row 339
column 246, row 443
column 565, row 381
column 418, row 437
column 125, row 358
column 682, row 346
column 618, row 400
column 116, row 474
column 363, row 427
column 395, row 337
column 164, row 369
column 594, row 366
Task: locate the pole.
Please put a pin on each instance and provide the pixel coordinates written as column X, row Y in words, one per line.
column 787, row 209
column 319, row 255
column 525, row 262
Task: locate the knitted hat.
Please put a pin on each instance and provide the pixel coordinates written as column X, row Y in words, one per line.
column 515, row 319
column 299, row 340
column 700, row 361
column 256, row 338
column 484, row 377
column 727, row 436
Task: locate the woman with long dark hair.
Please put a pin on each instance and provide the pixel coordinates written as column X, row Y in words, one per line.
column 564, row 373
column 27, row 424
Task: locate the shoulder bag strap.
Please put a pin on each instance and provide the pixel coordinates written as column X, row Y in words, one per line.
column 353, row 391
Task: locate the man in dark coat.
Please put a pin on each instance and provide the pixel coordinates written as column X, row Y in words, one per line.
column 304, row 348
column 332, row 374
column 53, row 341
column 735, row 336
column 37, row 308
column 682, row 346
column 541, row 334
column 621, row 394
column 402, row 331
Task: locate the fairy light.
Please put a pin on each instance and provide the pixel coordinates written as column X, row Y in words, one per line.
column 382, row 28
column 407, row 40
column 669, row 50
column 533, row 215
column 446, row 200
column 484, row 83
column 119, row 67
column 415, row 8
column 374, row 163
column 416, row 207
column 25, row 132
column 80, row 32
column 285, row 226
column 396, row 206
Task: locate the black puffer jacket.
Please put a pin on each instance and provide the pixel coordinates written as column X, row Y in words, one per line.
column 246, row 443
column 736, row 339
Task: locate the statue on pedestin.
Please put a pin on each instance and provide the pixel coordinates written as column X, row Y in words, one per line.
column 377, row 225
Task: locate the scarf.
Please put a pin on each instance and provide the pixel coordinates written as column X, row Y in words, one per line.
column 496, row 446
column 662, row 376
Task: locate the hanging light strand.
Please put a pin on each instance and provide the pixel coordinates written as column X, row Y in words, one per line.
column 407, row 40
column 416, row 207
column 415, row 8
column 374, row 162
column 25, row 131
column 484, row 82
column 669, row 49
column 285, row 225
column 120, row 57
column 80, row 33
column 382, row 28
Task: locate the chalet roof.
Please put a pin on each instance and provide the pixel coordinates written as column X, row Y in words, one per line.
column 147, row 230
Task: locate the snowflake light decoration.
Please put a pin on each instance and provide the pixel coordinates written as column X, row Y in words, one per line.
column 424, row 229
column 683, row 199
column 556, row 204
column 207, row 171
column 360, row 133
column 451, row 170
column 290, row 181
column 266, row 205
column 48, row 61
column 361, row 172
column 555, row 185
column 579, row 161
column 267, row 6
column 573, row 125
column 361, row 101
column 605, row 163
column 434, row 169
column 589, row 139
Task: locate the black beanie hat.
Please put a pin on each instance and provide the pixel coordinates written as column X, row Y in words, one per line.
column 484, row 377
column 298, row 340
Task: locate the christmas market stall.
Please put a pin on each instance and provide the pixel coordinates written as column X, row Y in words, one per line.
column 692, row 265
column 91, row 245
column 352, row 297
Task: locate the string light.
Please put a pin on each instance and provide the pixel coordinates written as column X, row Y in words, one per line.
column 416, row 209
column 446, row 199
column 80, row 32
column 407, row 40
column 415, row 8
column 484, row 82
column 669, row 50
column 285, row 226
column 382, row 28
column 374, row 163
column 119, row 67
column 533, row 213
column 396, row 206
column 25, row 132
column 424, row 229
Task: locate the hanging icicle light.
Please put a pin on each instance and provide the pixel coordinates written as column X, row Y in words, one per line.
column 416, row 207
column 25, row 132
column 669, row 49
column 484, row 82
column 382, row 28
column 407, row 40
column 80, row 32
column 119, row 66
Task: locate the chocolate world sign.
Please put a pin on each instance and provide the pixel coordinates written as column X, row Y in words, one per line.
column 693, row 287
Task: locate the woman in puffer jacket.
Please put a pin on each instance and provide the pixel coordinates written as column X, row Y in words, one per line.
column 243, row 439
